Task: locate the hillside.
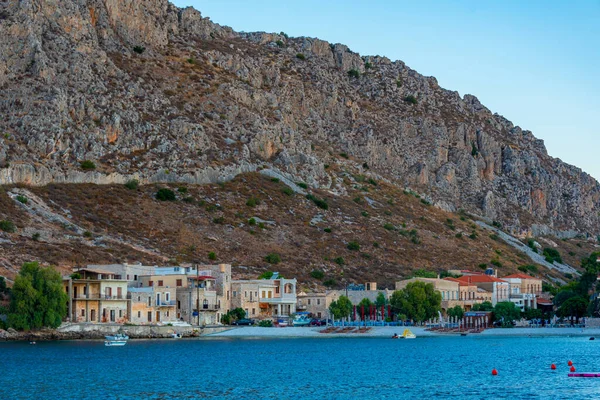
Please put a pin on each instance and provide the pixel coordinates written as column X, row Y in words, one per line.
column 95, row 93
column 397, row 232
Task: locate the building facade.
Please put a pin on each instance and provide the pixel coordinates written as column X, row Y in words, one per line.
column 97, row 295
column 265, row 298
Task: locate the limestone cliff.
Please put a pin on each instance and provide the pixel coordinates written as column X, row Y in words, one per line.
column 147, row 90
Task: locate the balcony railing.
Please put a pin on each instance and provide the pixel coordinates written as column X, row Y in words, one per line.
column 166, row 303
column 285, row 298
column 208, row 307
column 98, row 296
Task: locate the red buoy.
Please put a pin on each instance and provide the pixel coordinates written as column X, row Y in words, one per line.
column 572, row 369
column 494, row 372
column 570, row 363
column 553, row 366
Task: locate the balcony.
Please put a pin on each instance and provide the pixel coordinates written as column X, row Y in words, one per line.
column 285, row 298
column 163, row 303
column 97, row 296
column 208, row 307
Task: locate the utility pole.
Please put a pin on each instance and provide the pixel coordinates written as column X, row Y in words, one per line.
column 198, row 293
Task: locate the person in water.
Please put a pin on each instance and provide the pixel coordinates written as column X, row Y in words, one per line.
column 395, row 336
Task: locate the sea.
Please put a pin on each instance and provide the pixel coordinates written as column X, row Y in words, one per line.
column 302, row 368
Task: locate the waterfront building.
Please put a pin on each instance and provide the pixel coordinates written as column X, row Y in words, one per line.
column 152, row 305
column 265, row 298
column 524, row 290
column 96, row 295
column 129, row 272
column 498, row 288
column 469, row 295
column 449, row 289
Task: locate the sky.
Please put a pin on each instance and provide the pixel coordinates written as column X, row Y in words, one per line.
column 537, row 63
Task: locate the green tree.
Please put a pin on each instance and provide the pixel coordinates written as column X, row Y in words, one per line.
column 575, row 307
column 532, row 313
column 506, row 311
column 563, row 296
column 419, row 301
column 238, row 313
column 37, row 298
column 165, row 195
column 380, row 300
column 422, row 273
column 456, row 311
column 364, row 303
column 485, row 306
column 341, row 308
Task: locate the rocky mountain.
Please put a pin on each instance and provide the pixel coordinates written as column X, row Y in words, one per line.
column 107, row 91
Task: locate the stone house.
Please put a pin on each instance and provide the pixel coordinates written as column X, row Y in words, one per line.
column 96, row 295
column 265, row 298
column 152, row 305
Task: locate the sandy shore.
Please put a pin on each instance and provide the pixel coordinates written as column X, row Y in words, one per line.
column 388, row 331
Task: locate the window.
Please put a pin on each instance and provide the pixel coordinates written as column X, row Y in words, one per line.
column 139, row 314
column 309, row 302
column 120, row 313
column 255, row 294
column 254, row 311
column 167, row 297
column 167, row 313
column 245, row 294
column 151, row 283
column 128, row 277
column 83, row 313
column 318, row 315
column 234, row 293
column 277, row 290
column 160, row 283
column 149, row 301
column 318, row 302
column 178, row 304
column 246, row 312
column 179, row 283
column 149, row 316
column 219, row 303
column 228, row 295
column 135, row 277
column 85, row 290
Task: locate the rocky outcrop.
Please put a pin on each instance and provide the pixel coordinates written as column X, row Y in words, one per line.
column 160, row 94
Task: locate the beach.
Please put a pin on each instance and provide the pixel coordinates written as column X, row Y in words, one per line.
column 388, row 331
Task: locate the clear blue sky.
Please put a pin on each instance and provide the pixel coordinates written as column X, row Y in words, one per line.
column 535, row 62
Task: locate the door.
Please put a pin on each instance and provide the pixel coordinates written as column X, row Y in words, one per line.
column 158, row 316
column 149, row 316
column 119, row 293
column 75, row 292
column 112, row 315
column 157, row 299
column 93, row 315
column 108, row 292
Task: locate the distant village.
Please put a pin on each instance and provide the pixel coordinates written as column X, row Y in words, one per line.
column 201, row 295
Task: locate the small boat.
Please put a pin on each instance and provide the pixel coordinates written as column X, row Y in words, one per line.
column 176, row 335
column 463, row 334
column 115, row 342
column 395, row 336
column 117, row 337
column 282, row 322
column 301, row 319
column 120, row 339
column 407, row 334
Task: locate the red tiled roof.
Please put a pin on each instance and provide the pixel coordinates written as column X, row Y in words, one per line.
column 520, row 276
column 545, row 302
column 480, row 279
column 460, row 283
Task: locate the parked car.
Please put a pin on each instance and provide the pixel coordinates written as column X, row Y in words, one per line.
column 243, row 321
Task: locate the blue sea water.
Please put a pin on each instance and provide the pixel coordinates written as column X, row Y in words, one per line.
column 302, row 368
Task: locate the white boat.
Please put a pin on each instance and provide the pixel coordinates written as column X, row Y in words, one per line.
column 115, row 342
column 301, row 319
column 407, row 334
column 282, row 322
column 176, row 335
column 117, row 337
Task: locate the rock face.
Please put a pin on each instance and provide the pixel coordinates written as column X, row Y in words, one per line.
column 150, row 91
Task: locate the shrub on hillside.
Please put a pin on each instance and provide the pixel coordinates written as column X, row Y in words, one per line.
column 7, row 226
column 317, row 274
column 411, row 99
column 132, row 184
column 87, row 165
column 273, row 258
column 165, row 194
